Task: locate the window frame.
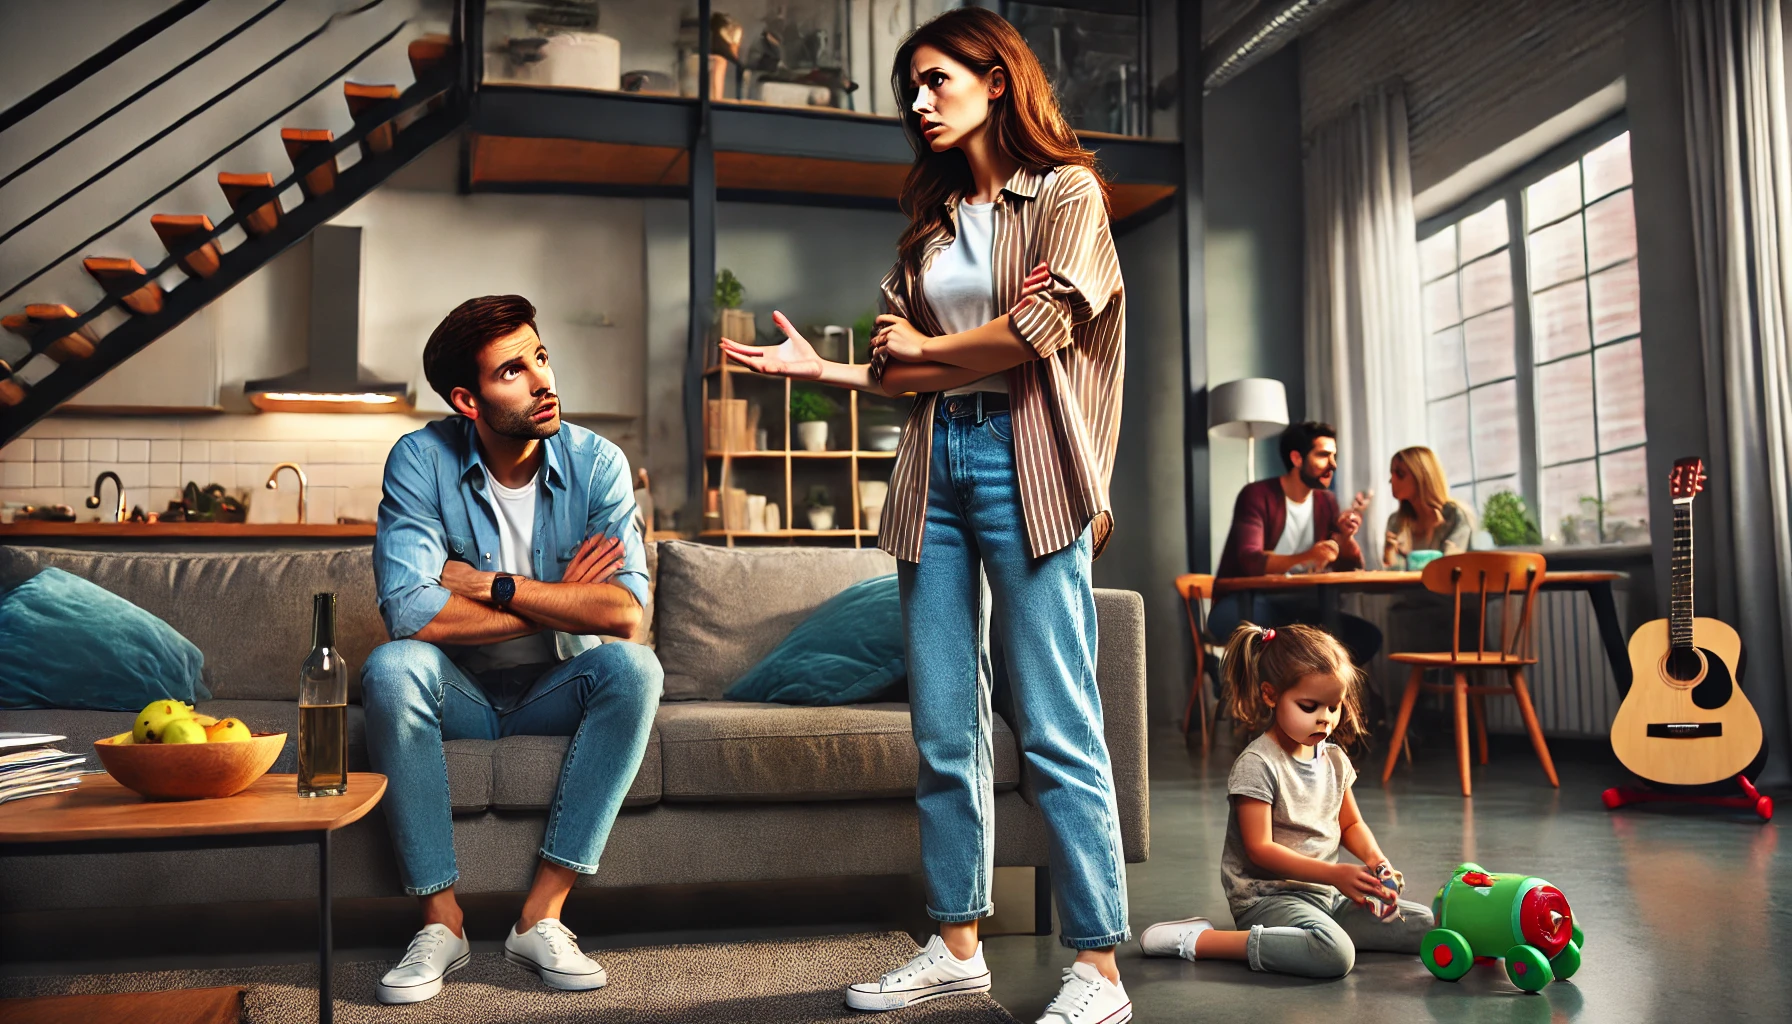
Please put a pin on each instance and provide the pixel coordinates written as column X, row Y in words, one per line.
column 1511, row 188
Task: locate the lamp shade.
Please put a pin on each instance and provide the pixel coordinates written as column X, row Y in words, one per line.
column 1249, row 408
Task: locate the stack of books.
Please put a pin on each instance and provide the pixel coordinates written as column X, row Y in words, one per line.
column 30, row 765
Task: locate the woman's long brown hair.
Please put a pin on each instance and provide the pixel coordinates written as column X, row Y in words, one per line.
column 1025, row 121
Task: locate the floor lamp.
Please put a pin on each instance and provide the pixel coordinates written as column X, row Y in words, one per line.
column 1249, row 408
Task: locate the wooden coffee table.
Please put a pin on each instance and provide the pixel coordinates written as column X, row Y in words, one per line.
column 101, row 816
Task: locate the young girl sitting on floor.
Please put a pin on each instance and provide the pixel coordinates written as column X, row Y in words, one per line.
column 1291, row 811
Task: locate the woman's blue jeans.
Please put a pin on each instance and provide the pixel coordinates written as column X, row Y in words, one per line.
column 416, row 697
column 1043, row 616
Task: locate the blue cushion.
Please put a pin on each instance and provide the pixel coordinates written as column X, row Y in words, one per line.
column 68, row 643
column 847, row 651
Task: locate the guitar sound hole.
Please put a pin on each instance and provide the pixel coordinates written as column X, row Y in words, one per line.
column 1714, row 691
column 1683, row 664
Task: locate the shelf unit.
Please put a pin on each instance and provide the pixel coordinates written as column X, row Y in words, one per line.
column 533, row 139
column 722, row 468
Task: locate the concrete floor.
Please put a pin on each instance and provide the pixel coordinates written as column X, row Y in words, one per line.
column 1686, row 914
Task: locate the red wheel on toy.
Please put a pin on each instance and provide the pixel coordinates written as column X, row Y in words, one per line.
column 1613, row 798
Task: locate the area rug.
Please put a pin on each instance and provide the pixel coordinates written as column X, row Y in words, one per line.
column 795, row 981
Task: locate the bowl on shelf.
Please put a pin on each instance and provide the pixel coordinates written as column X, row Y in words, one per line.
column 882, row 438
column 190, row 771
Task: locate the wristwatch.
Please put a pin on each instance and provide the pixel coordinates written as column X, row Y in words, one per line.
column 503, row 588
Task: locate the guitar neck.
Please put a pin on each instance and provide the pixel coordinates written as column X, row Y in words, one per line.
column 1680, row 576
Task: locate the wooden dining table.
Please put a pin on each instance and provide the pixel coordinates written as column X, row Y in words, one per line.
column 1329, row 586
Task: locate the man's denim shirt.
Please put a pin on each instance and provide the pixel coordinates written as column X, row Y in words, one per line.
column 437, row 506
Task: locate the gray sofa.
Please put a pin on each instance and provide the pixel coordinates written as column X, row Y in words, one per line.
column 726, row 792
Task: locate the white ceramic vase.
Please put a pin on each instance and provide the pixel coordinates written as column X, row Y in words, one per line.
column 813, row 435
column 821, row 517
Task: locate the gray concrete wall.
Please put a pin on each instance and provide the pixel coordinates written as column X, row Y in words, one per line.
column 1255, row 256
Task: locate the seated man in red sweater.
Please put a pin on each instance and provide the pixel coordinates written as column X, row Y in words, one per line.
column 1291, row 523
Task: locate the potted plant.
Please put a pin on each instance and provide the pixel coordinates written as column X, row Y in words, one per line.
column 1510, row 523
column 810, row 410
column 732, row 322
column 821, row 509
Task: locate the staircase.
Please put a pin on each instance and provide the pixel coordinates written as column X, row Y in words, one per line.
column 392, row 125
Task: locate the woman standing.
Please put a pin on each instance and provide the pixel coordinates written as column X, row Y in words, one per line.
column 1428, row 519
column 1003, row 468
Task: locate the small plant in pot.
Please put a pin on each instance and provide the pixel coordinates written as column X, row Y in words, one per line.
column 1509, row 521
column 821, row 509
column 810, row 411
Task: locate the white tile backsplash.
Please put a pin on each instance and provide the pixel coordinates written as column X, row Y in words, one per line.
column 155, row 456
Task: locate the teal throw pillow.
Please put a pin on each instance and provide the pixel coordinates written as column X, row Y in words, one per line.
column 68, row 643
column 848, row 651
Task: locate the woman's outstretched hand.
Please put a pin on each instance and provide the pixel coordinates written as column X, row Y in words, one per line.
column 795, row 358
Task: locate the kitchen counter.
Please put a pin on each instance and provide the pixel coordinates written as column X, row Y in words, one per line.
column 223, row 531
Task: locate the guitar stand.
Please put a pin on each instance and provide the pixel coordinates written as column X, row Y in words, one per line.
column 1751, row 800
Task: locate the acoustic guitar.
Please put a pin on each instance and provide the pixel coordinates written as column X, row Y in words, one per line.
column 1685, row 721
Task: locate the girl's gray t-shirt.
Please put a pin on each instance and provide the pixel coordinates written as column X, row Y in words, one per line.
column 1305, row 798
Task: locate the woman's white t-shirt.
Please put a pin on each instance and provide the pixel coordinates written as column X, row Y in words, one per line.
column 960, row 283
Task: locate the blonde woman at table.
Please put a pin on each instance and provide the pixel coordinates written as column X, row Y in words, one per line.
column 1428, row 519
column 1002, row 474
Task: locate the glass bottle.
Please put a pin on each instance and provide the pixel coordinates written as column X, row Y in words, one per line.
column 323, row 707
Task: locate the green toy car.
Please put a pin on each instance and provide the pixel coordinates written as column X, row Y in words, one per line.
column 1525, row 920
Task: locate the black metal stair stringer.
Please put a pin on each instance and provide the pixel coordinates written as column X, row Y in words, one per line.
column 237, row 264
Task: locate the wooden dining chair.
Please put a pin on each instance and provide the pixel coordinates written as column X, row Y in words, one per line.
column 1472, row 580
column 1196, row 588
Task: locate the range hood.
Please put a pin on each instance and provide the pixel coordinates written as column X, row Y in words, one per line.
column 334, row 381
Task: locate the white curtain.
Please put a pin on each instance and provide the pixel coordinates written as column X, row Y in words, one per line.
column 1364, row 325
column 1739, row 153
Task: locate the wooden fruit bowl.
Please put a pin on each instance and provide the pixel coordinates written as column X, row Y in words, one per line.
column 190, row 771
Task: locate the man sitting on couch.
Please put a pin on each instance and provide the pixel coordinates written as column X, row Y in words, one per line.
column 506, row 546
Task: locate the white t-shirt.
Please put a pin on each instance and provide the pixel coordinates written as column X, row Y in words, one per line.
column 516, row 556
column 1297, row 531
column 960, row 283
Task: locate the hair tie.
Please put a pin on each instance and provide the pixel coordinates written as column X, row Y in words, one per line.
column 1268, row 635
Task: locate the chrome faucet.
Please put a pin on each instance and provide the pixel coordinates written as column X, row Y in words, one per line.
column 273, row 484
column 93, row 501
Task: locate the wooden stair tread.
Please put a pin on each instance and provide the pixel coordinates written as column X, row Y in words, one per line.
column 306, row 135
column 363, row 98
column 11, row 391
column 180, row 1006
column 237, row 190
column 299, row 142
column 39, row 320
column 174, row 228
column 115, row 274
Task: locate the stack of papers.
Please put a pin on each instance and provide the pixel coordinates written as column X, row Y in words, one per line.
column 31, row 766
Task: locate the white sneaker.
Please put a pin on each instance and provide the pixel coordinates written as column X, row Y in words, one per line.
column 552, row 950
column 1088, row 997
column 434, row 953
column 1174, row 938
column 933, row 973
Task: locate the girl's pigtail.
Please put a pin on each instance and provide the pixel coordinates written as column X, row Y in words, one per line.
column 1239, row 674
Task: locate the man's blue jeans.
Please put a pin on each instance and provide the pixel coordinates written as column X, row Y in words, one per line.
column 1043, row 612
column 416, row 698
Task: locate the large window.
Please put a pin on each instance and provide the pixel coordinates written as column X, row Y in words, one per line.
column 1533, row 361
